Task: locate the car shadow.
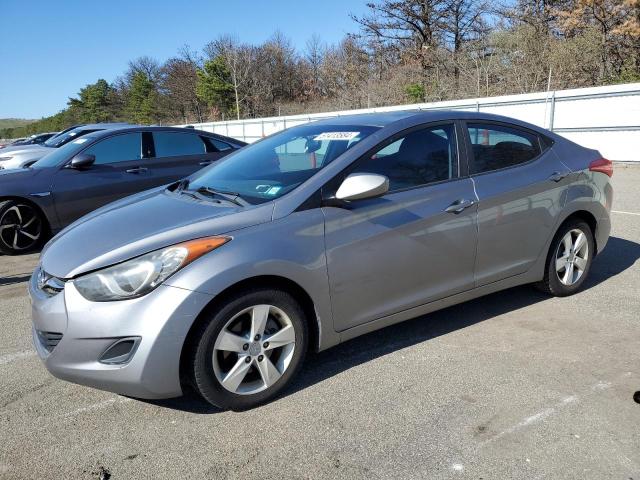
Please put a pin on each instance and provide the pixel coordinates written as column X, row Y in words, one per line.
column 618, row 256
column 14, row 279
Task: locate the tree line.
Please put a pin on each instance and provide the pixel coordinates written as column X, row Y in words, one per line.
column 402, row 51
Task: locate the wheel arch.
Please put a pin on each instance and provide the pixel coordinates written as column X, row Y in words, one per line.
column 31, row 203
column 586, row 216
column 266, row 281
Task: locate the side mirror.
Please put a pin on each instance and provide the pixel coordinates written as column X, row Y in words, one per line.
column 82, row 161
column 359, row 186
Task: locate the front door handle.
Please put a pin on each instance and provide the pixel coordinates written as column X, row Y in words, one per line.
column 557, row 176
column 206, row 162
column 137, row 170
column 459, row 205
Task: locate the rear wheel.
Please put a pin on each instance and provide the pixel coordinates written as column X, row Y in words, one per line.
column 249, row 349
column 569, row 259
column 22, row 228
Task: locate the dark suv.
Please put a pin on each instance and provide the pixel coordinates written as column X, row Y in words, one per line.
column 94, row 170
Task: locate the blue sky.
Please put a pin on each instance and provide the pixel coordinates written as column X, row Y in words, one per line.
column 49, row 50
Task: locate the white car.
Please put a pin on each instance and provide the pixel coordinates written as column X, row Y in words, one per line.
column 23, row 156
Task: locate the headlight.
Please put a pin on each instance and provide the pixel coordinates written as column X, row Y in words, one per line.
column 4, row 159
column 139, row 276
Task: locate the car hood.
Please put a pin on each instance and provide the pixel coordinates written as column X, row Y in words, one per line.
column 11, row 175
column 140, row 224
column 19, row 149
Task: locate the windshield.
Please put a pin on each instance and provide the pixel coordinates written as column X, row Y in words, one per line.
column 276, row 165
column 65, row 138
column 59, row 155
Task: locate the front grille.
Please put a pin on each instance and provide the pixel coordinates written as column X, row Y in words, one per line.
column 49, row 340
column 50, row 285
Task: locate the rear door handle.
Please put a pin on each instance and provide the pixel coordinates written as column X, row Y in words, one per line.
column 206, row 162
column 137, row 170
column 557, row 176
column 459, row 206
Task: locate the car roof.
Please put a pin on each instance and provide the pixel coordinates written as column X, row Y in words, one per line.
column 142, row 128
column 102, row 126
column 382, row 119
column 378, row 119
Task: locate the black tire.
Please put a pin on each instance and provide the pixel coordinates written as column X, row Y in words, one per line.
column 19, row 222
column 551, row 283
column 201, row 351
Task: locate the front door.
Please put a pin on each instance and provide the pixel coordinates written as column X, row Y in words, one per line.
column 119, row 170
column 411, row 246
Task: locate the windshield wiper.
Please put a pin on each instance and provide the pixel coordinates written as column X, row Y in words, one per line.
column 182, row 185
column 232, row 197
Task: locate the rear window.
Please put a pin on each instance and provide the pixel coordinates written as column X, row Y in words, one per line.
column 218, row 145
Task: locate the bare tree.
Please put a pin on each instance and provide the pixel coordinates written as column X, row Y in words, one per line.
column 407, row 24
column 238, row 58
column 314, row 55
column 179, row 80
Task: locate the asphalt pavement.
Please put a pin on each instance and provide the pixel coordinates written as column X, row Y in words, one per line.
column 513, row 385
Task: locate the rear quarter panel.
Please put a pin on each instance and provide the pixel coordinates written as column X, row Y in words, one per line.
column 588, row 191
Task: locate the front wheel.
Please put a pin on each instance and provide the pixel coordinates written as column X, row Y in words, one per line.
column 249, row 349
column 569, row 259
column 22, row 228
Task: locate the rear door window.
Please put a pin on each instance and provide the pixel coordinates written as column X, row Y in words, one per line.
column 496, row 146
column 176, row 144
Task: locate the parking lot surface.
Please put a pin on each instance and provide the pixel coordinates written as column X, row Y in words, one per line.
column 513, row 385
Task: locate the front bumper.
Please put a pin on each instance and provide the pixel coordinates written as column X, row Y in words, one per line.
column 82, row 331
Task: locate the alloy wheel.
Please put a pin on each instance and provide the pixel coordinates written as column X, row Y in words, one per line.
column 254, row 349
column 572, row 257
column 20, row 228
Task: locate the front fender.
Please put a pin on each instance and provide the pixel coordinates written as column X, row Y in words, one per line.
column 292, row 248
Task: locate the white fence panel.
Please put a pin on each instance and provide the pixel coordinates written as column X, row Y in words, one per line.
column 606, row 118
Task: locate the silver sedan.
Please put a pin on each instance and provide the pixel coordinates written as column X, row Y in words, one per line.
column 223, row 281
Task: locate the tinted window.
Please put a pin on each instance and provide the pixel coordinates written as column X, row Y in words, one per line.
column 121, row 148
column 220, row 146
column 495, row 146
column 174, row 144
column 423, row 156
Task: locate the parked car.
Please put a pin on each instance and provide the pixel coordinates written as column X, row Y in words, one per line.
column 308, row 238
column 93, row 170
column 21, row 156
column 12, row 142
column 37, row 139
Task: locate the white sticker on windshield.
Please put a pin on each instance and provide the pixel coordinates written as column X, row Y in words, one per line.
column 80, row 140
column 273, row 190
column 336, row 136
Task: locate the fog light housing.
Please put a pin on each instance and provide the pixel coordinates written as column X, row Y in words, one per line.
column 121, row 351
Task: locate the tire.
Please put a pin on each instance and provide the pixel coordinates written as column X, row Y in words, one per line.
column 22, row 228
column 568, row 266
column 224, row 349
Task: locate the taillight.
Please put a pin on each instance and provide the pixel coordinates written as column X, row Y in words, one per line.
column 602, row 165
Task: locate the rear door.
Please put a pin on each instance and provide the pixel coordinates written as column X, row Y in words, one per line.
column 520, row 185
column 179, row 154
column 119, row 170
column 408, row 247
